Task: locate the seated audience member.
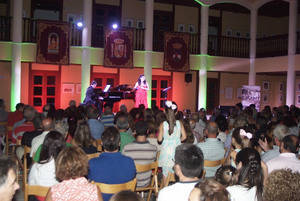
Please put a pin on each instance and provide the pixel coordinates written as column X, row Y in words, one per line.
column 282, row 185
column 38, row 129
column 122, row 125
column 227, row 175
column 8, row 178
column 197, row 130
column 142, row 152
column 212, row 148
column 250, row 180
column 38, row 140
column 279, row 132
column 223, row 128
column 43, row 172
column 96, row 126
column 190, row 137
column 287, row 157
column 14, row 117
column 83, row 138
column 189, row 168
column 71, row 167
column 152, row 138
column 126, row 196
column 209, row 190
column 107, row 117
column 111, row 167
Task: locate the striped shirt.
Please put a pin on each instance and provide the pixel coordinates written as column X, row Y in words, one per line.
column 142, row 153
column 108, row 120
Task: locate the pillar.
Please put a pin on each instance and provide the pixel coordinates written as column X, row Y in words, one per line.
column 15, row 90
column 253, row 31
column 148, row 46
column 86, row 44
column 290, row 89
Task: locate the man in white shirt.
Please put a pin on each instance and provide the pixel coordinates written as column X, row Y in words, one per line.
column 38, row 140
column 189, row 168
column 287, row 157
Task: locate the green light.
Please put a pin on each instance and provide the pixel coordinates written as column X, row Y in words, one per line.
column 201, row 3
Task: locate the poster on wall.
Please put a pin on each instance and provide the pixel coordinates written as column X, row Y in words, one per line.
column 68, row 88
column 176, row 55
column 251, row 95
column 118, row 50
column 53, row 42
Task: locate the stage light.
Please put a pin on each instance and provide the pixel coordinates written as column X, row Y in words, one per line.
column 79, row 24
column 115, row 26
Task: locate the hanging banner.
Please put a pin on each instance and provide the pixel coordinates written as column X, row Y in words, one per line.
column 251, row 95
column 53, row 42
column 118, row 51
column 176, row 55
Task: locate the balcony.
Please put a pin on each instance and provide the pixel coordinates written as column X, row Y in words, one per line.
column 5, row 28
column 272, row 46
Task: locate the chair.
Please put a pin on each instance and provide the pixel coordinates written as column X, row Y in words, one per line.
column 208, row 163
column 25, row 165
column 154, row 181
column 94, row 155
column 35, row 190
column 99, row 145
column 115, row 188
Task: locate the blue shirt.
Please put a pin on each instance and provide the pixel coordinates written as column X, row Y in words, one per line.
column 111, row 168
column 96, row 128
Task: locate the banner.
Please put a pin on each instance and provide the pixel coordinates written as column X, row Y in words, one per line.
column 118, row 51
column 53, row 42
column 251, row 95
column 176, row 55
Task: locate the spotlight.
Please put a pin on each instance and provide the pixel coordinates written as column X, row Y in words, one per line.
column 79, row 24
column 115, row 26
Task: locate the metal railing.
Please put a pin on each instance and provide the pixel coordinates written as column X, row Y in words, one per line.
column 5, row 28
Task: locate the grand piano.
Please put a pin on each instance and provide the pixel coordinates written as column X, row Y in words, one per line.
column 115, row 94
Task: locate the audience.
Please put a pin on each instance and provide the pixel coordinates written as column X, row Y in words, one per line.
column 227, row 175
column 14, row 117
column 122, row 125
column 126, row 196
column 96, row 126
column 111, row 167
column 71, row 167
column 38, row 130
column 189, row 168
column 107, row 117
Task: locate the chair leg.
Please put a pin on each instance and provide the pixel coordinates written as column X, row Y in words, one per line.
column 149, row 195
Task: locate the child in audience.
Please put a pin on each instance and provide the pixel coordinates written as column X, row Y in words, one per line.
column 227, row 175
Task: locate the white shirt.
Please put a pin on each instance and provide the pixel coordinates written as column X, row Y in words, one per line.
column 37, row 141
column 179, row 191
column 241, row 193
column 43, row 174
column 222, row 136
column 284, row 161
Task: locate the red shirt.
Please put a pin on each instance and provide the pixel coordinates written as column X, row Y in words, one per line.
column 20, row 130
column 13, row 117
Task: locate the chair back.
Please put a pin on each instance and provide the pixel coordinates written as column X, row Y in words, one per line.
column 94, row 155
column 115, row 188
column 35, row 190
column 99, row 145
column 144, row 168
column 170, row 178
column 216, row 163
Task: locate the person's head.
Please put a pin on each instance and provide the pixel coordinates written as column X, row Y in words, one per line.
column 122, row 122
column 240, row 122
column 20, row 107
column 8, row 178
column 202, row 114
column 110, row 139
column 290, row 144
column 62, row 127
column 211, row 130
column 141, row 80
column 82, row 135
column 93, row 84
column 282, row 185
column 71, row 163
column 47, row 124
column 241, row 138
column 222, row 123
column 152, row 129
column 37, row 121
column 123, row 108
column 54, row 142
column 227, row 175
column 141, row 128
column 72, row 103
column 108, row 108
column 279, row 132
column 189, row 161
column 250, row 172
column 92, row 112
column 2, row 104
column 170, row 110
column 209, row 190
column 126, row 196
column 29, row 113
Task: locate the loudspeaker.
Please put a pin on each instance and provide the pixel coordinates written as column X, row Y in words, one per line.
column 188, row 77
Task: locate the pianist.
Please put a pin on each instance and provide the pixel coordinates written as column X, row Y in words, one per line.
column 90, row 94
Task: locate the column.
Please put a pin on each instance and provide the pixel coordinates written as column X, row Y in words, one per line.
column 15, row 90
column 86, row 44
column 203, row 63
column 148, row 40
column 290, row 89
column 253, row 31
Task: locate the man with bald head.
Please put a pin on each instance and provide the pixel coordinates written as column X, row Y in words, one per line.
column 48, row 125
column 212, row 147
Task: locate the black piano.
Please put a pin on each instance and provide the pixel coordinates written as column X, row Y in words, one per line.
column 115, row 94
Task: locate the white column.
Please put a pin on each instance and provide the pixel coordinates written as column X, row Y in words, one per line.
column 290, row 89
column 86, row 43
column 203, row 64
column 253, row 31
column 148, row 45
column 15, row 90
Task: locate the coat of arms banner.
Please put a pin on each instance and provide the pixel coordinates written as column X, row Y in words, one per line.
column 176, row 55
column 118, row 51
column 53, row 42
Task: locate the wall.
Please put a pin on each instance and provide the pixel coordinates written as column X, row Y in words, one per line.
column 186, row 15
column 5, row 80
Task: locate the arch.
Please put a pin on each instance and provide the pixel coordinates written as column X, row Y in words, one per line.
column 260, row 3
column 239, row 2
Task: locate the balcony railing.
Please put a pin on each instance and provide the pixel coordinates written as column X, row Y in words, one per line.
column 5, row 28
column 228, row 46
column 272, row 46
column 29, row 30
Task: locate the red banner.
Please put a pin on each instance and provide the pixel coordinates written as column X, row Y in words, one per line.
column 53, row 42
column 176, row 55
column 118, row 51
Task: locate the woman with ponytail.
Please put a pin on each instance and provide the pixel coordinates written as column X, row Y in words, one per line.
column 171, row 134
column 250, row 179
